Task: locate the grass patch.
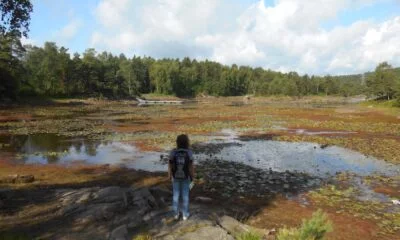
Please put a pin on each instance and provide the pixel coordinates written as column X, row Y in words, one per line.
column 312, row 229
column 143, row 237
column 249, row 236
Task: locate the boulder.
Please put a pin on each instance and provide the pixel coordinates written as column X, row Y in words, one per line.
column 143, row 199
column 208, row 232
column 162, row 196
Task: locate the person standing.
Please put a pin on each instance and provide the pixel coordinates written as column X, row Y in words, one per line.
column 181, row 173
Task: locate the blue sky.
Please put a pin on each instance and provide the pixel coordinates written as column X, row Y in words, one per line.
column 315, row 36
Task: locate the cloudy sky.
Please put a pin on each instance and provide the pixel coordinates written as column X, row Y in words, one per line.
column 308, row 36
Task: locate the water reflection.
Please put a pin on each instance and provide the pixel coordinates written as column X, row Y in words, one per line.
column 50, row 148
column 47, row 147
column 304, row 157
column 279, row 156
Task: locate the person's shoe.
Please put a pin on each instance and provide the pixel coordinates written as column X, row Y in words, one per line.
column 176, row 217
column 185, row 218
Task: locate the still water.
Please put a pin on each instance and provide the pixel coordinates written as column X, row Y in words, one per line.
column 279, row 156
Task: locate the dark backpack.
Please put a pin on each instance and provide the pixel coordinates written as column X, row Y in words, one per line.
column 180, row 164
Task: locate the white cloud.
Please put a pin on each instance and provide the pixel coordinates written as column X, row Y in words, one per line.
column 69, row 31
column 114, row 13
column 288, row 35
column 376, row 43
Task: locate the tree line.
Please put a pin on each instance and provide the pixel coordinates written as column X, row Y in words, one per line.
column 52, row 71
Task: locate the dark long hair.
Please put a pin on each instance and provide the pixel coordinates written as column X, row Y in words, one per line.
column 182, row 141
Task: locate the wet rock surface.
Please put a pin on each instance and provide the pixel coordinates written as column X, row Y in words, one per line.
column 213, row 148
column 236, row 179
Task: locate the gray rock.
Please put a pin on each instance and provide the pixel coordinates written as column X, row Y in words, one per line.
column 203, row 199
column 85, row 220
column 120, row 232
column 155, row 214
column 109, row 191
column 111, row 199
column 160, row 192
column 134, row 222
column 106, row 211
column 232, row 226
column 143, row 199
column 84, row 198
column 71, row 209
column 208, row 232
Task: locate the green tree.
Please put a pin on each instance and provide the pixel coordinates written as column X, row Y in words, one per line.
column 382, row 83
column 10, row 66
column 48, row 69
column 75, row 83
column 15, row 17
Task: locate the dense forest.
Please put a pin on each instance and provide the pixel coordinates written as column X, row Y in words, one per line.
column 52, row 71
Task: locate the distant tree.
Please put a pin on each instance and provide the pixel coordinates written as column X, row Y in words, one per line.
column 382, row 82
column 330, row 85
column 275, row 87
column 75, row 84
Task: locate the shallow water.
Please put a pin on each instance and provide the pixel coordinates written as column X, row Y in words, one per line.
column 304, row 157
column 279, row 156
column 50, row 148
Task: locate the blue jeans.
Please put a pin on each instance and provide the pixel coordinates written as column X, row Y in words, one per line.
column 181, row 188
